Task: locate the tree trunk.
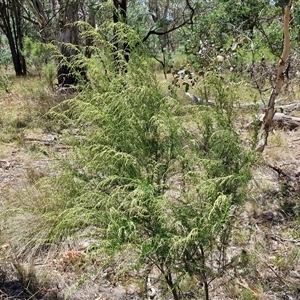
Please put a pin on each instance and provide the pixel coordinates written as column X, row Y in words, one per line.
column 203, row 271
column 169, row 280
column 68, row 73
column 10, row 13
column 15, row 54
column 120, row 15
column 66, row 13
column 270, row 110
column 92, row 21
column 19, row 36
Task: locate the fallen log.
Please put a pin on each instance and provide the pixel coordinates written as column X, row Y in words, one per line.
column 283, row 108
column 280, row 120
column 255, row 105
column 199, row 101
column 289, row 107
column 283, row 120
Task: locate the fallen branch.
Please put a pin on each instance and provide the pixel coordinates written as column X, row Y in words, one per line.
column 290, row 181
column 283, row 120
column 199, row 101
column 289, row 107
column 253, row 105
column 280, row 120
column 286, row 107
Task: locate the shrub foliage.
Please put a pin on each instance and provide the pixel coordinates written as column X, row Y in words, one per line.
column 148, row 172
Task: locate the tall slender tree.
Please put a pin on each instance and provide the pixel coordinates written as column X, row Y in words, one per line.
column 270, row 109
column 68, row 34
column 11, row 25
column 120, row 15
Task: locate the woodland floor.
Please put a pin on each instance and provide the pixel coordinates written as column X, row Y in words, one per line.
column 268, row 229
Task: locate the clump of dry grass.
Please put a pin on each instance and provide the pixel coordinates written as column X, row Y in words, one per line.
column 27, row 105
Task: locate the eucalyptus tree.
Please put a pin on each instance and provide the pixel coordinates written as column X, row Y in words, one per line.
column 12, row 25
column 155, row 22
column 159, row 23
column 281, row 69
column 221, row 23
column 257, row 19
column 56, row 20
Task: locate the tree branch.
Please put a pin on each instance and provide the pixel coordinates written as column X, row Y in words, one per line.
column 174, row 27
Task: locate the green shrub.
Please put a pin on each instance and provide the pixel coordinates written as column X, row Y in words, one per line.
column 147, row 173
column 37, row 54
column 5, row 82
column 50, row 72
column 5, row 55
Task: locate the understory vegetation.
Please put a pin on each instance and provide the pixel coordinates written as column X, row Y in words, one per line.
column 129, row 186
